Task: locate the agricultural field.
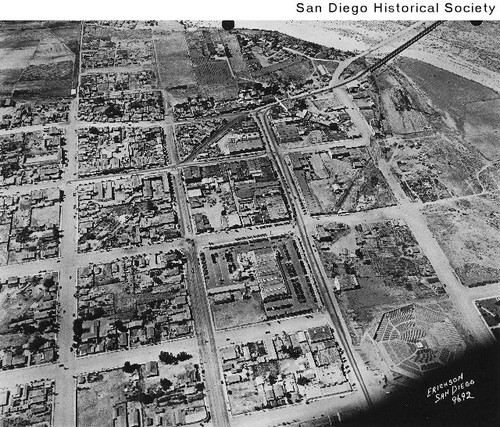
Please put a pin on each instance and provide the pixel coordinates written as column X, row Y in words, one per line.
column 40, row 61
column 175, row 66
column 373, row 266
column 215, row 79
column 144, row 394
column 29, row 320
column 252, row 282
column 340, row 180
column 468, row 232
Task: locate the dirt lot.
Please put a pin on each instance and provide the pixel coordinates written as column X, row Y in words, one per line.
column 243, row 397
column 468, row 232
column 482, row 127
column 404, row 111
column 93, row 404
column 436, row 166
column 238, row 313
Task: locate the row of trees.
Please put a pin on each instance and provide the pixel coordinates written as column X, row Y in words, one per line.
column 170, row 359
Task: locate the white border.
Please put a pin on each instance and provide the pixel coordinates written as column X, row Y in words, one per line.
column 237, row 10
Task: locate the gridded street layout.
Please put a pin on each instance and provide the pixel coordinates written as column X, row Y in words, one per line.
column 210, row 227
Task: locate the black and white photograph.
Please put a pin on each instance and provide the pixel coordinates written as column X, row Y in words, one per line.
column 266, row 223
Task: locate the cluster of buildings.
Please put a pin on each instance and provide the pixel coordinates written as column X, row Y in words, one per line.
column 286, row 369
column 142, row 400
column 127, row 211
column 97, row 84
column 146, row 105
column 33, row 322
column 308, row 128
column 274, row 41
column 105, row 47
column 235, row 194
column 110, row 150
column 27, row 404
column 273, row 270
column 383, row 249
column 132, row 302
column 182, row 404
column 336, row 169
column 31, row 157
column 34, row 113
column 249, row 96
column 190, row 135
column 29, row 226
column 239, row 138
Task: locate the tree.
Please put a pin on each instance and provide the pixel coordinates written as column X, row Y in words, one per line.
column 167, row 358
column 150, row 206
column 182, row 356
column 43, row 325
column 24, row 235
column 293, row 352
column 120, row 326
column 56, row 232
column 49, row 282
column 303, row 381
column 36, row 343
column 129, row 367
column 145, row 398
column 165, row 383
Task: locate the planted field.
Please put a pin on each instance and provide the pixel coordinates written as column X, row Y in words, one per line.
column 174, row 64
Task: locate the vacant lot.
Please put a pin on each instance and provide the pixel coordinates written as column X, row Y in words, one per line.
column 94, row 402
column 482, row 127
column 239, row 313
column 447, row 91
column 404, row 111
column 469, row 233
column 243, row 397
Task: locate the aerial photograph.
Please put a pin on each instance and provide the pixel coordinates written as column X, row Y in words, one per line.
column 249, row 223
